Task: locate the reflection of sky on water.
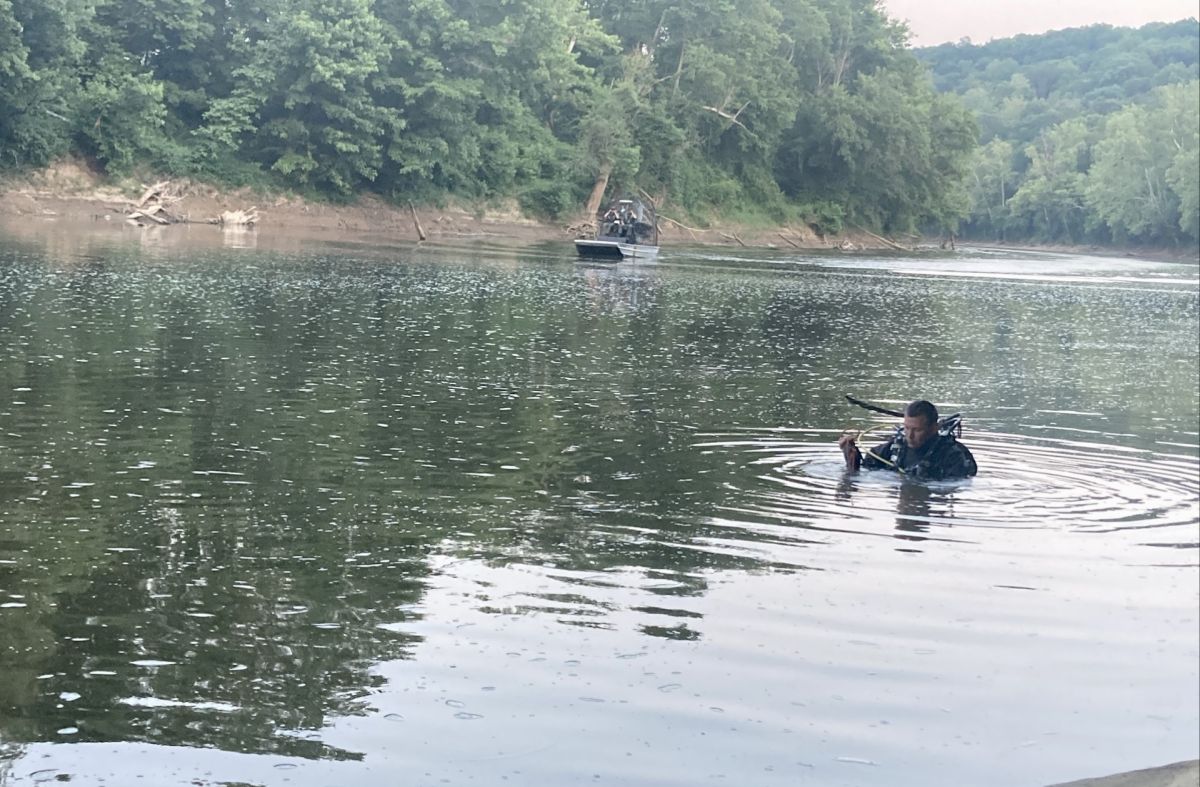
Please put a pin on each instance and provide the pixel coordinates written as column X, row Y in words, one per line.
column 858, row 683
column 1034, row 267
column 501, row 518
column 1001, row 265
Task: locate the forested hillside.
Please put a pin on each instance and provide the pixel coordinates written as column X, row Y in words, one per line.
column 814, row 109
column 1090, row 134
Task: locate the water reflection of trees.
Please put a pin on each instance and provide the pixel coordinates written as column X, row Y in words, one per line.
column 262, row 600
column 282, row 447
column 258, row 606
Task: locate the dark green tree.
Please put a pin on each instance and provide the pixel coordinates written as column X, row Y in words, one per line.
column 1087, row 84
column 1049, row 204
column 302, row 105
column 40, row 52
column 1143, row 181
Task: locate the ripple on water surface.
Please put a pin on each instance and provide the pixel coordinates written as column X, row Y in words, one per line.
column 1024, row 483
column 323, row 519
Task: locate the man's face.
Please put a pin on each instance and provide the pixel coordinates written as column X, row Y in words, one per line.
column 917, row 430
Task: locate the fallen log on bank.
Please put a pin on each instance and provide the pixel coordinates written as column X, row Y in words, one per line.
column 692, row 230
column 153, row 213
column 237, row 218
column 584, row 229
column 889, row 243
column 152, row 205
column 152, row 191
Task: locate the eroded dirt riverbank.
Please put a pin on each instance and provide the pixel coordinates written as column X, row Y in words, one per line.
column 70, row 195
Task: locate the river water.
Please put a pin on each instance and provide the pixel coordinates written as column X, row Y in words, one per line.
column 355, row 514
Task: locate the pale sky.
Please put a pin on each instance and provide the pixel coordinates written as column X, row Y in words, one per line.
column 937, row 21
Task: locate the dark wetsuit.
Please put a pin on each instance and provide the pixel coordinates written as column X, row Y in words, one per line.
column 940, row 457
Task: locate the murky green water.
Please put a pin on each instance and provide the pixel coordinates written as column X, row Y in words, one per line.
column 377, row 516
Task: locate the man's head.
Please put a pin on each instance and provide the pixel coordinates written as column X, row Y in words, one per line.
column 920, row 423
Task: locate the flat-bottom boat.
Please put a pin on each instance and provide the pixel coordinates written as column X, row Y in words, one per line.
column 604, row 249
column 627, row 230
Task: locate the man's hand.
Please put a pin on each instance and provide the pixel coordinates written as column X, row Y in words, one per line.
column 850, row 451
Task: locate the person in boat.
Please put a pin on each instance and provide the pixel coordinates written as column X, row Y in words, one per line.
column 612, row 221
column 917, row 449
column 626, row 219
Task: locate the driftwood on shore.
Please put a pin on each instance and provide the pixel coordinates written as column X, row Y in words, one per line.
column 154, row 213
column 156, row 203
column 153, row 206
column 237, row 218
column 889, row 243
column 584, row 229
column 691, row 230
column 152, row 191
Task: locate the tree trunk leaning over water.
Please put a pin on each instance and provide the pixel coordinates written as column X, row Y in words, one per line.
column 598, row 189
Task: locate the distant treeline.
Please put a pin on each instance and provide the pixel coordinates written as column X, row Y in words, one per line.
column 1087, row 135
column 813, row 109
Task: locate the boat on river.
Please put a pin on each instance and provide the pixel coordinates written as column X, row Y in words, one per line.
column 627, row 229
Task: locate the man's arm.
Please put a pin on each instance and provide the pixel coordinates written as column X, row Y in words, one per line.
column 856, row 459
column 850, row 451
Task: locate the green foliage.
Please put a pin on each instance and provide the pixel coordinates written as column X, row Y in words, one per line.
column 13, row 52
column 1181, row 124
column 825, row 217
column 178, row 42
column 1095, row 152
column 550, row 198
column 16, row 138
column 896, row 153
column 993, row 181
column 606, row 139
column 729, row 108
column 1145, row 167
column 1084, row 63
column 119, row 117
column 701, row 186
column 1126, row 187
column 1049, row 205
column 38, row 51
column 303, row 105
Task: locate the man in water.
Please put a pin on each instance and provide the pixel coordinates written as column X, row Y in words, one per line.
column 917, row 450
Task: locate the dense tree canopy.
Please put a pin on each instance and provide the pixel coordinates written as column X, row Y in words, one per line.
column 789, row 108
column 812, row 109
column 1087, row 134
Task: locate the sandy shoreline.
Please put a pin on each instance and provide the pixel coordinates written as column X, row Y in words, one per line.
column 69, row 194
